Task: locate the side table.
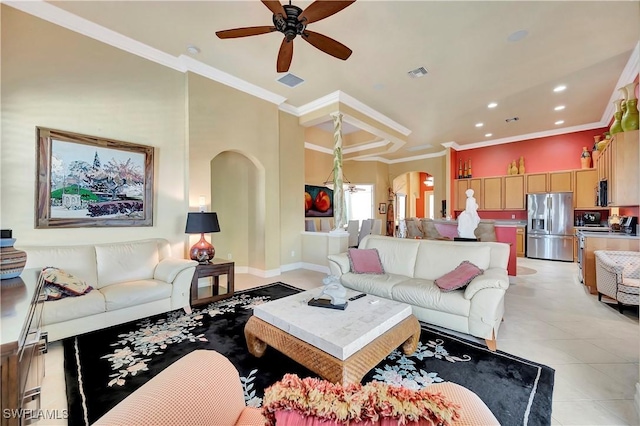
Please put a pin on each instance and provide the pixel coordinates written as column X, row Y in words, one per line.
column 211, row 293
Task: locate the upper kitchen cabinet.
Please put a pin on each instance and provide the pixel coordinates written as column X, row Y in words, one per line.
column 550, row 182
column 536, row 183
column 492, row 193
column 461, row 186
column 561, row 181
column 585, row 193
column 618, row 165
column 514, row 198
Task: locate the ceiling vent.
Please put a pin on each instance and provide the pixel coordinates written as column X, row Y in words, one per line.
column 290, row 80
column 417, row 73
column 509, row 120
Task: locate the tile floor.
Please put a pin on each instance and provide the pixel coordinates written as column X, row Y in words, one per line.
column 549, row 319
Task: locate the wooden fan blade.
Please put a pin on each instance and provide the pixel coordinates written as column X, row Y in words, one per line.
column 285, row 55
column 244, row 32
column 321, row 9
column 327, row 44
column 275, row 7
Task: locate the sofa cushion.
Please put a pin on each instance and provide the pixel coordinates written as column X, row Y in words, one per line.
column 459, row 277
column 365, row 261
column 378, row 285
column 123, row 262
column 398, row 255
column 426, row 294
column 79, row 261
column 70, row 308
column 436, row 258
column 132, row 293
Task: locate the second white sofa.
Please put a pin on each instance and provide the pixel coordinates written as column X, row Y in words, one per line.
column 411, row 266
column 130, row 280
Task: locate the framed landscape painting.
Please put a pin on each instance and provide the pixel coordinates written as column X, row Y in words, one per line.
column 88, row 181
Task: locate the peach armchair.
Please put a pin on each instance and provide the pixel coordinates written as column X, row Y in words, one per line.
column 201, row 388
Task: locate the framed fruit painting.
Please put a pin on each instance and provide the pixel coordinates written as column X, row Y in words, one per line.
column 318, row 201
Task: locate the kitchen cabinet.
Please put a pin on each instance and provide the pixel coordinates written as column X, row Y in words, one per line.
column 602, row 242
column 461, row 185
column 520, row 241
column 618, row 165
column 536, row 183
column 492, row 193
column 561, row 181
column 585, row 192
column 514, row 198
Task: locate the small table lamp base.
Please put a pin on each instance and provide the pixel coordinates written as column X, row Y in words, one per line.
column 202, row 251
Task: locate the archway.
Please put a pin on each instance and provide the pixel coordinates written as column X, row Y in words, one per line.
column 416, row 188
column 238, row 196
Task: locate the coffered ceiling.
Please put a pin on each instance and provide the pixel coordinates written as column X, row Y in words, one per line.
column 591, row 47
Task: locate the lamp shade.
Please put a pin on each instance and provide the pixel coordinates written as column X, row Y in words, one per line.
column 202, row 222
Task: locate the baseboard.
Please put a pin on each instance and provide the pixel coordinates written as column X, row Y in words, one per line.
column 264, row 273
column 636, row 399
column 291, row 266
column 314, row 267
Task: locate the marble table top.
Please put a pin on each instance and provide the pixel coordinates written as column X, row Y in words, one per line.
column 339, row 333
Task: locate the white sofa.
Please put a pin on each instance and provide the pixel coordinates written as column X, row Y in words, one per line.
column 410, row 268
column 131, row 280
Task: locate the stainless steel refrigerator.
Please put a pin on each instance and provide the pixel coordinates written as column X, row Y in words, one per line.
column 550, row 226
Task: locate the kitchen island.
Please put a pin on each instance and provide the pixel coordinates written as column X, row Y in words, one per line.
column 506, row 231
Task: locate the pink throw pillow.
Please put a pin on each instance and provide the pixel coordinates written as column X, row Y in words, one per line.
column 365, row 261
column 459, row 277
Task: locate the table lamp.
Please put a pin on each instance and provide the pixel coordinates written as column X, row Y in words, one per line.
column 201, row 223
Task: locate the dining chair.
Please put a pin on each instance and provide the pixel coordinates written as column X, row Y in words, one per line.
column 377, row 227
column 352, row 229
column 325, row 224
column 365, row 229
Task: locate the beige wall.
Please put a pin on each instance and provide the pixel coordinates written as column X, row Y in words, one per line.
column 53, row 77
column 291, row 188
column 217, row 125
column 317, row 167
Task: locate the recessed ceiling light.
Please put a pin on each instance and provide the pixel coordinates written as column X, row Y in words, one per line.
column 492, row 105
column 559, row 88
column 518, row 35
column 193, row 50
column 559, row 122
column 488, row 135
column 559, row 108
column 418, row 72
column 479, row 124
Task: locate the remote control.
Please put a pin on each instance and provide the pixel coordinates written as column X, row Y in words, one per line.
column 358, row 296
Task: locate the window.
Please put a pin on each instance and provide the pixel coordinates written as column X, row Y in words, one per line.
column 401, row 202
column 359, row 202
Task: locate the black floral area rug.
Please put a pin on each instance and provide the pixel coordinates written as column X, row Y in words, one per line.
column 104, row 366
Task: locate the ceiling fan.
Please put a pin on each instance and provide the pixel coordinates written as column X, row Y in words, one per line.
column 292, row 21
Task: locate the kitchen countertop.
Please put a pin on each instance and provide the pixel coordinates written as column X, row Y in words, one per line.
column 592, row 228
column 497, row 222
column 600, row 234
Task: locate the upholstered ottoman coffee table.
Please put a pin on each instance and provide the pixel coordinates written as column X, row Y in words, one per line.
column 340, row 346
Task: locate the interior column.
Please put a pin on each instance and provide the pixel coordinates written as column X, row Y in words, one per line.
column 339, row 213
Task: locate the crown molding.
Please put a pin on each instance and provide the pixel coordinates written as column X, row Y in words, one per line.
column 222, row 77
column 288, row 108
column 60, row 17
column 319, row 103
column 400, row 160
column 366, row 146
column 314, row 147
column 628, row 75
column 451, row 144
column 536, row 135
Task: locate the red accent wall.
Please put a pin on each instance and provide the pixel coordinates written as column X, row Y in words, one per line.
column 547, row 154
